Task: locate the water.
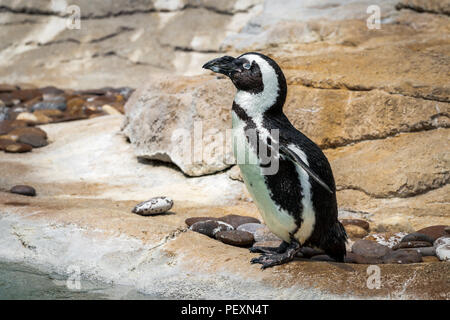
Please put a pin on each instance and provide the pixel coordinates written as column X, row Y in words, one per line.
column 21, row 282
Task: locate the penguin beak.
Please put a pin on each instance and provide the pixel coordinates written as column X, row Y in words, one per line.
column 224, row 65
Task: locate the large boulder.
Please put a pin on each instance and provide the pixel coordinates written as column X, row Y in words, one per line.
column 183, row 120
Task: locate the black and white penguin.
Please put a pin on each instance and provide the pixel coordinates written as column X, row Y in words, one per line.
column 298, row 200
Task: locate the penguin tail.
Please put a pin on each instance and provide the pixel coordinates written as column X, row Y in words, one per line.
column 334, row 245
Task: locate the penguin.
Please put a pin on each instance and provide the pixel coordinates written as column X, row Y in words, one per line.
column 297, row 199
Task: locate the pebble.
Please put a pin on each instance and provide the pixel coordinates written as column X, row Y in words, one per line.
column 354, row 231
column 192, row 220
column 442, row 246
column 447, row 230
column 18, row 147
column 8, row 125
column 308, row 252
column 29, row 130
column 424, row 251
column 388, row 239
column 110, row 110
column 270, row 244
column 153, row 206
column 210, row 227
column 356, row 222
column 4, row 143
column 57, row 105
column 323, row 257
column 27, row 117
column 250, row 227
column 33, row 140
column 417, row 237
column 402, row 257
column 236, row 238
column 24, row 190
column 236, row 220
column 370, row 249
column 264, row 234
column 352, row 257
column 430, row 259
column 412, row 244
column 433, row 232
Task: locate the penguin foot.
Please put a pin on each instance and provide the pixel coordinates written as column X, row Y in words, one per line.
column 280, row 249
column 268, row 260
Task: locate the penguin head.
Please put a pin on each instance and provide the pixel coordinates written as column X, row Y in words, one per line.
column 251, row 72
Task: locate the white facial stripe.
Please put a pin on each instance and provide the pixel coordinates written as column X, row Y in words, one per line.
column 256, row 104
column 309, row 217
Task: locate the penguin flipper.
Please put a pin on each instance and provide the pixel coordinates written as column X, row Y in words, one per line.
column 293, row 156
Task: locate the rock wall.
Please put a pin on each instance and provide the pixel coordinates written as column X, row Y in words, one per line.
column 376, row 100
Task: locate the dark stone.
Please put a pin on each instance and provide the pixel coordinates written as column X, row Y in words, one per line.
column 433, row 232
column 7, row 126
column 4, row 143
column 370, row 249
column 34, row 140
column 236, row 238
column 417, row 237
column 352, row 257
column 236, row 220
column 29, row 130
column 357, row 222
column 323, row 257
column 24, row 190
column 402, row 257
column 210, row 227
column 18, row 147
column 7, row 87
column 447, row 230
column 25, row 95
column 308, row 252
column 51, row 90
column 412, row 244
column 424, row 251
column 191, row 221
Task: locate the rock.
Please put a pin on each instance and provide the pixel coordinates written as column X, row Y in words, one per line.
column 424, row 251
column 236, row 220
column 4, row 111
column 433, row 6
column 309, row 252
column 34, row 140
column 441, row 240
column 28, row 130
column 388, row 239
column 235, row 173
column 18, row 148
column 412, row 244
column 250, row 227
column 4, row 143
column 75, row 106
column 370, row 249
column 25, row 95
column 27, row 117
column 210, row 227
column 447, row 230
column 352, row 257
column 417, row 237
column 354, row 231
column 269, row 244
column 153, row 206
column 430, row 259
column 402, row 257
column 433, row 232
column 24, row 190
column 235, row 238
column 323, row 257
column 264, row 234
column 184, row 121
column 357, row 222
column 55, row 105
column 8, row 125
column 443, row 252
column 191, row 221
column 109, row 109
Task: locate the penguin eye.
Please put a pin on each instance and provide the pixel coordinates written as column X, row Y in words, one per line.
column 247, row 65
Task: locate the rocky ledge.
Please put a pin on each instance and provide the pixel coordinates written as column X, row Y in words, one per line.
column 83, row 213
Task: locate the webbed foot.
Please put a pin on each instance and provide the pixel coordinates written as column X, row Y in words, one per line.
column 280, row 249
column 268, row 260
